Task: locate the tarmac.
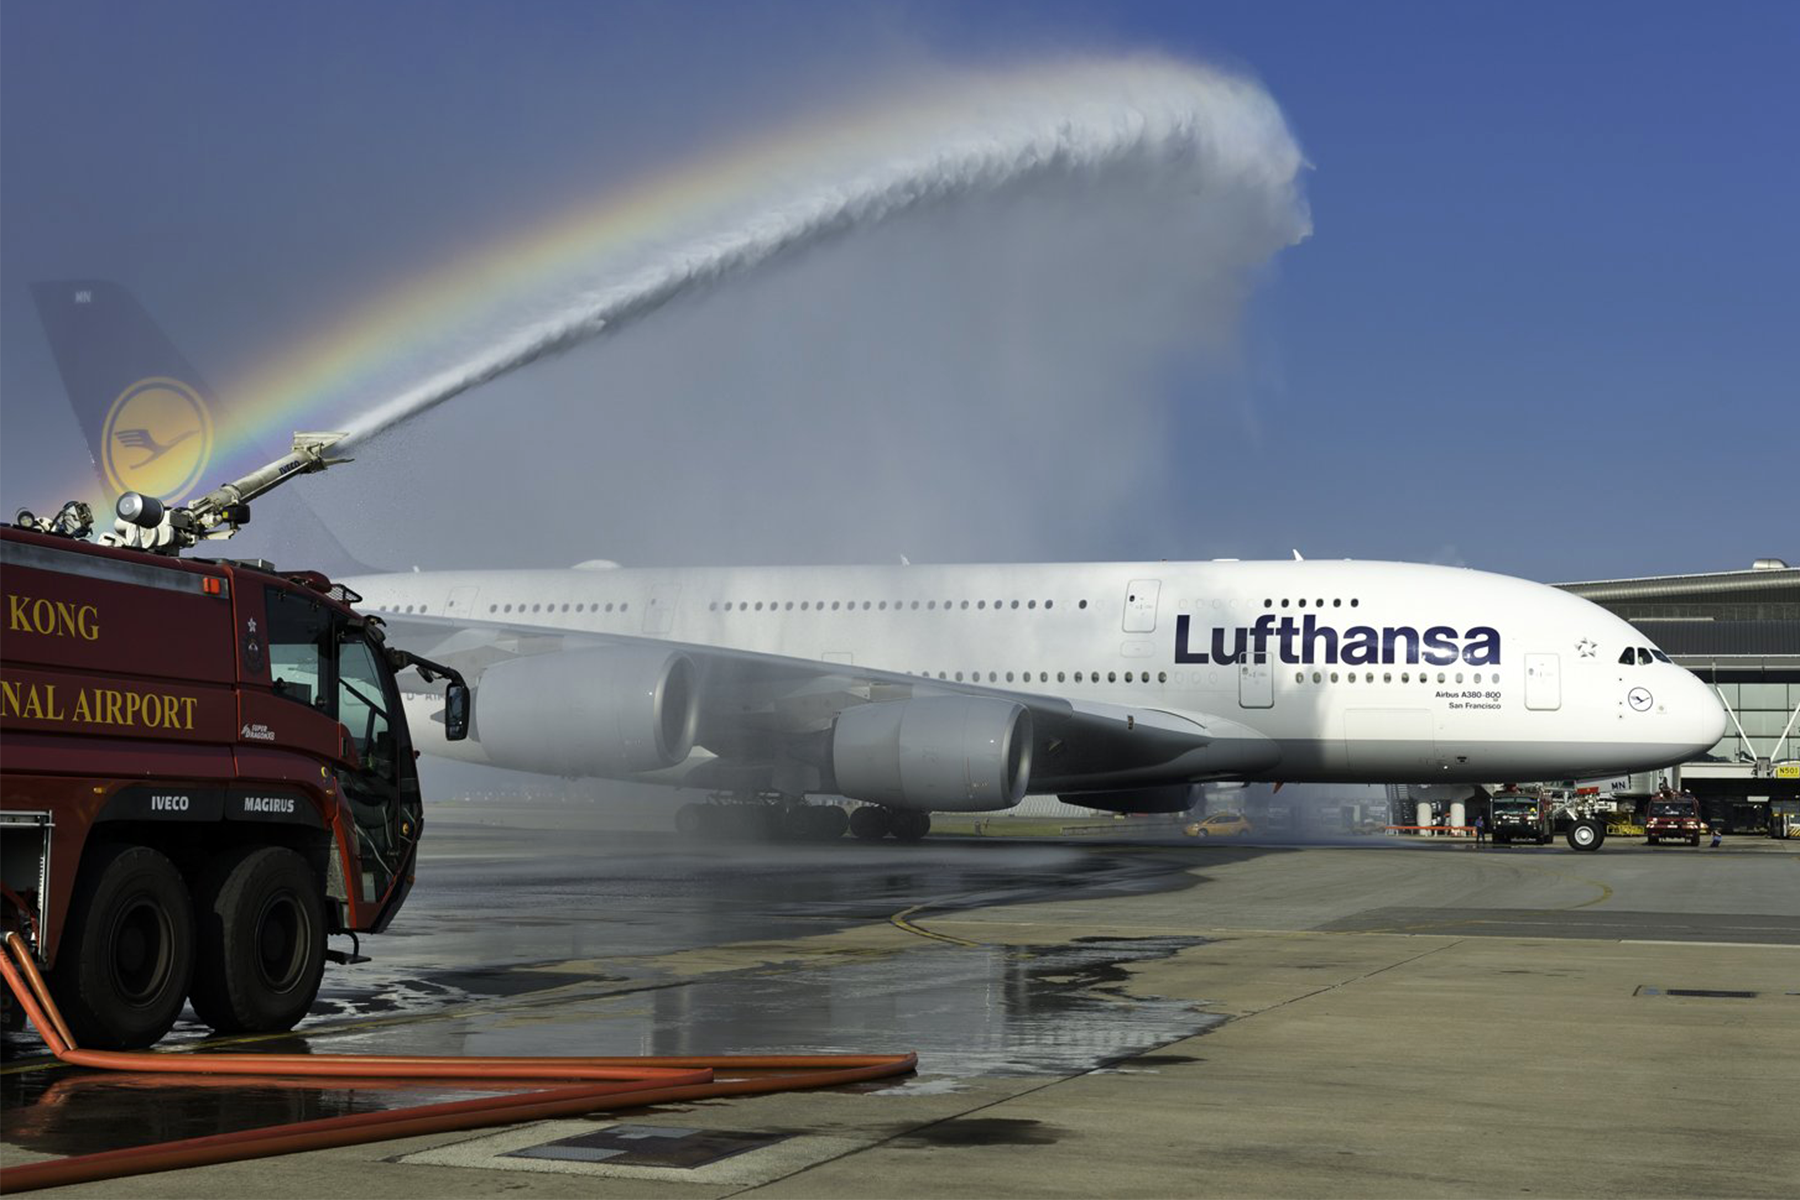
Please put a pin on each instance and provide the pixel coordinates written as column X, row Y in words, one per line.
column 1094, row 1015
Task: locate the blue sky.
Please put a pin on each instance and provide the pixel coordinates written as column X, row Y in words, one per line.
column 1545, row 323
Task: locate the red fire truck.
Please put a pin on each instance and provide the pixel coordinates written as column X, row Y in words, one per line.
column 205, row 768
column 1673, row 816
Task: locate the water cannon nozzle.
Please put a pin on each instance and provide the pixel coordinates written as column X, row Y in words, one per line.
column 135, row 508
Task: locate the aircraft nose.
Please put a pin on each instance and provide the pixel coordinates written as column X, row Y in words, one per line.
column 1704, row 715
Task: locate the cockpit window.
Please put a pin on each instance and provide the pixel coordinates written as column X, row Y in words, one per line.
column 1643, row 657
column 1659, row 656
column 1628, row 658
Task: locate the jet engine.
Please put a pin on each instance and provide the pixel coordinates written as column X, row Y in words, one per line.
column 934, row 753
column 612, row 712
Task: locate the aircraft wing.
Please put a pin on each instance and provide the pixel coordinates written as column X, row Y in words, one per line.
column 757, row 711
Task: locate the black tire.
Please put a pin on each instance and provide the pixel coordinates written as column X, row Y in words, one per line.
column 1694, row 841
column 1586, row 835
column 911, row 826
column 870, row 823
column 830, row 822
column 127, row 952
column 262, row 941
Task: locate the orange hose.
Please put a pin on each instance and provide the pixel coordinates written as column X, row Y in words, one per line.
column 630, row 1083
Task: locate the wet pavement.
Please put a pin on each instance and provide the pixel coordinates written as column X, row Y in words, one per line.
column 515, row 942
column 1143, row 1018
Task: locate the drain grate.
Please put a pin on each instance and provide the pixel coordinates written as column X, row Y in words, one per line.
column 1704, row 993
column 649, row 1146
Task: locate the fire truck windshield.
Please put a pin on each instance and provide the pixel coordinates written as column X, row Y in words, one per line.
column 363, row 706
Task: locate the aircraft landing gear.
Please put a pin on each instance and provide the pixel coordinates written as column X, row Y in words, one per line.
column 763, row 818
column 911, row 826
column 871, row 823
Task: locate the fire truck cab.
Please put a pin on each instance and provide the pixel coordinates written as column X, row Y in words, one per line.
column 206, row 772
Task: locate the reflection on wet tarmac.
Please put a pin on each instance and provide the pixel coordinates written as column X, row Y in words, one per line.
column 57, row 1113
column 516, row 974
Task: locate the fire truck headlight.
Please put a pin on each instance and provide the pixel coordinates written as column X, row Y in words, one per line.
column 135, row 508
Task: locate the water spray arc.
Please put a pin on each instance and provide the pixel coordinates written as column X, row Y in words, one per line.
column 1079, row 120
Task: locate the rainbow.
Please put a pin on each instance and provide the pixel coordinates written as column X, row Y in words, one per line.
column 319, row 381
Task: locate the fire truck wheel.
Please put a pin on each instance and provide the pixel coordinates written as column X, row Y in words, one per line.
column 127, row 953
column 262, row 941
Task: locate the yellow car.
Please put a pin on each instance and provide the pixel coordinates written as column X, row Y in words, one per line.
column 1224, row 824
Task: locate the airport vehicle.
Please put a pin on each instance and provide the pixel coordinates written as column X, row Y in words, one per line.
column 1674, row 817
column 917, row 689
column 1218, row 825
column 1784, row 817
column 207, row 767
column 1517, row 817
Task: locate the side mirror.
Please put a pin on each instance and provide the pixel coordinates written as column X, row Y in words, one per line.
column 456, row 711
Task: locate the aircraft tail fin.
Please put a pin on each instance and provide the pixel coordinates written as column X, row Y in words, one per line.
column 153, row 425
column 147, row 415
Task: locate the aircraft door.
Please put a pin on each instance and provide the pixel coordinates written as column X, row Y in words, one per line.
column 1543, row 682
column 659, row 614
column 1140, row 605
column 462, row 602
column 1256, row 680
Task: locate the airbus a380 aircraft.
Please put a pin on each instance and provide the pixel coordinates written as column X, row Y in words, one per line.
column 962, row 688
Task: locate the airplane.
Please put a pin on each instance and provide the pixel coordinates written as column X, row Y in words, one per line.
column 919, row 689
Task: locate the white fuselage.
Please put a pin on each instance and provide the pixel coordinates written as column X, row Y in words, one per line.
column 1379, row 672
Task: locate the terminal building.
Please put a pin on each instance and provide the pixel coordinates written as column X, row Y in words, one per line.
column 1740, row 632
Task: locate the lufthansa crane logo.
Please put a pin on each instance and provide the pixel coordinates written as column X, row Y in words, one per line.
column 158, row 439
column 1640, row 699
